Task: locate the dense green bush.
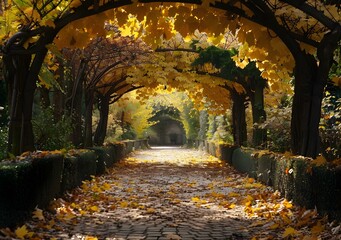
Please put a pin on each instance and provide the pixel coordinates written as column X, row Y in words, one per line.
column 49, row 134
column 219, row 129
column 3, row 142
column 330, row 124
column 278, row 129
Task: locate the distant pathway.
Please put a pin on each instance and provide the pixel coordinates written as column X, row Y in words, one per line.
column 174, row 193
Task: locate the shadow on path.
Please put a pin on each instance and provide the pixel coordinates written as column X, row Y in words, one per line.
column 172, row 193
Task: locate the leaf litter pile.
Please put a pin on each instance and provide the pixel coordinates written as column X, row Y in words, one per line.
column 173, row 193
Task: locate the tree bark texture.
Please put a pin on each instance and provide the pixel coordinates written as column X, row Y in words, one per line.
column 74, row 105
column 16, row 71
column 239, row 118
column 259, row 136
column 310, row 81
column 101, row 130
column 89, row 102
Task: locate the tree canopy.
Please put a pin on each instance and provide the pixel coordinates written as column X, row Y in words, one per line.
column 285, row 38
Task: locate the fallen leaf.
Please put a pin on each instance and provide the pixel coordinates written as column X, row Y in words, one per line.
column 319, row 161
column 274, row 226
column 231, row 206
column 233, row 194
column 289, row 232
column 310, row 238
column 317, row 229
column 38, row 213
column 21, row 232
column 287, row 204
column 94, row 208
column 150, row 210
column 91, row 238
column 257, row 223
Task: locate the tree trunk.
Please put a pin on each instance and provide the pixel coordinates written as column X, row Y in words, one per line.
column 74, row 105
column 58, row 98
column 310, row 81
column 304, row 136
column 89, row 102
column 27, row 136
column 239, row 118
column 76, row 113
column 16, row 71
column 258, row 113
column 101, row 130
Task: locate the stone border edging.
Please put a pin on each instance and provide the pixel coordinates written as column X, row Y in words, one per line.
column 296, row 178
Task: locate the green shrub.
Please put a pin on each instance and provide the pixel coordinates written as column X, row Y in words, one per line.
column 330, row 124
column 49, row 134
column 277, row 125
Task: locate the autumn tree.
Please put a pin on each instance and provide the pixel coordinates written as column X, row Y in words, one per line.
column 305, row 28
column 253, row 84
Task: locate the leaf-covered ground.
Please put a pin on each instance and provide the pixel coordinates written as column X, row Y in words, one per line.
column 173, row 193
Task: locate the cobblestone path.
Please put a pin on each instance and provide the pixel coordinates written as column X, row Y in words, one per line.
column 174, row 193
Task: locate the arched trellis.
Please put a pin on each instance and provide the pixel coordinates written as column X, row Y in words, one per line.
column 310, row 75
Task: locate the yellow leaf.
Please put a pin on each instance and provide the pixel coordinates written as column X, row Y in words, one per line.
column 286, row 219
column 124, row 204
column 106, row 186
column 233, row 194
column 38, row 213
column 21, row 232
column 94, row 208
column 250, row 180
column 91, row 238
column 150, row 210
column 287, row 204
column 231, row 206
column 274, row 226
column 257, row 223
column 289, row 232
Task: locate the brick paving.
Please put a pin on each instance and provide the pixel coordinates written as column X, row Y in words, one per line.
column 162, row 193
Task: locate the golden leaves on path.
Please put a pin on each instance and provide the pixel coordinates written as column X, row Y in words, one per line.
column 153, row 185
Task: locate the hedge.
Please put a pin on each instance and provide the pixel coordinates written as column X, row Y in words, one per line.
column 35, row 180
column 295, row 177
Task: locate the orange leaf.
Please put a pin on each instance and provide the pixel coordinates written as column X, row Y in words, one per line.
column 319, row 161
column 317, row 229
column 91, row 238
column 289, row 232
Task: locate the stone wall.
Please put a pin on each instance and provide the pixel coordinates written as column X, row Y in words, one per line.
column 295, row 177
